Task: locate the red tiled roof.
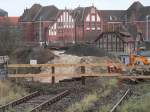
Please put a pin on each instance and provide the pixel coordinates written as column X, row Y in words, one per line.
column 11, row 20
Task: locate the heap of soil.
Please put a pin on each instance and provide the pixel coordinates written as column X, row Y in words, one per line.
column 23, row 55
column 86, row 50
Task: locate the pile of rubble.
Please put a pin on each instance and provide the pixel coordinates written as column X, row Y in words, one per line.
column 23, row 55
column 73, row 71
column 86, row 50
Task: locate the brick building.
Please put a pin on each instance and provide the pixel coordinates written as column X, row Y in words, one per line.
column 84, row 24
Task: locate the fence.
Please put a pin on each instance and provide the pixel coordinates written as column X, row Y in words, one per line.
column 3, row 66
column 53, row 73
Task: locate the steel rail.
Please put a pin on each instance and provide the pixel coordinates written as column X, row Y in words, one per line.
column 120, row 101
column 50, row 101
column 18, row 101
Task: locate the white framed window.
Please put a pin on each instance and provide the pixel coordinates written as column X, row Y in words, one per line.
column 98, row 18
column 93, row 25
column 88, row 26
column 93, row 18
column 88, row 18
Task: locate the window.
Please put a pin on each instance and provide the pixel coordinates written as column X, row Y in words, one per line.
column 98, row 26
column 88, row 25
column 98, row 18
column 114, row 38
column 112, row 18
column 93, row 18
column 105, row 39
column 88, row 18
column 60, row 24
column 93, row 25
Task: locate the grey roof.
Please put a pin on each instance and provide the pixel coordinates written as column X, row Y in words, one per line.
column 50, row 13
column 133, row 10
column 47, row 13
column 122, row 35
column 145, row 44
column 80, row 12
column 3, row 13
column 146, row 53
column 29, row 14
column 91, row 36
column 116, row 15
column 143, row 13
column 119, row 53
column 129, row 29
column 135, row 6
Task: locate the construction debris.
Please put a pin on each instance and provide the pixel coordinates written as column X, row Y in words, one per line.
column 25, row 54
column 86, row 50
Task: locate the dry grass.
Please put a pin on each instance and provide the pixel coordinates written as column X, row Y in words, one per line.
column 104, row 108
column 84, row 104
column 139, row 103
column 88, row 101
column 136, row 105
column 9, row 92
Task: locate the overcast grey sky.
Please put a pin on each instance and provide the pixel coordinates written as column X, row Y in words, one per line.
column 16, row 7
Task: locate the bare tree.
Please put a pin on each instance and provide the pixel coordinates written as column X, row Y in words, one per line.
column 10, row 37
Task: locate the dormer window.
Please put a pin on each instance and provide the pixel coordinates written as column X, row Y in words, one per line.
column 112, row 18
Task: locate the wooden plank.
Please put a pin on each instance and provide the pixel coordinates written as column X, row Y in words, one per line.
column 71, row 75
column 134, row 77
column 61, row 65
column 77, row 75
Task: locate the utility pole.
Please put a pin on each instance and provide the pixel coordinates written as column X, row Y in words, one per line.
column 126, row 19
column 75, row 32
column 40, row 30
column 75, row 25
column 147, row 28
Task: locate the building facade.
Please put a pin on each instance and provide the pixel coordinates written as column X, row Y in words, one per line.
column 84, row 24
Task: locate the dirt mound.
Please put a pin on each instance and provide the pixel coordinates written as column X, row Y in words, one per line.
column 86, row 50
column 23, row 55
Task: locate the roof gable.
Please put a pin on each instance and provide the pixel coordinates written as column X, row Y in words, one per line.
column 112, row 15
column 3, row 13
column 135, row 6
column 143, row 13
column 29, row 14
column 121, row 35
column 81, row 12
column 47, row 13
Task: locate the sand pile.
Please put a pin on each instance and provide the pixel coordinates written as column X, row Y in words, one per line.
column 73, row 71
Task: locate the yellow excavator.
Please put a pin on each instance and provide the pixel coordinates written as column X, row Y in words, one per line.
column 139, row 64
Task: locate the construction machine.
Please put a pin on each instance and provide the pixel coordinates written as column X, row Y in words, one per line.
column 139, row 64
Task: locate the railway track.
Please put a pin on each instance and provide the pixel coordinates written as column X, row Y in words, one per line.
column 34, row 102
column 125, row 95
